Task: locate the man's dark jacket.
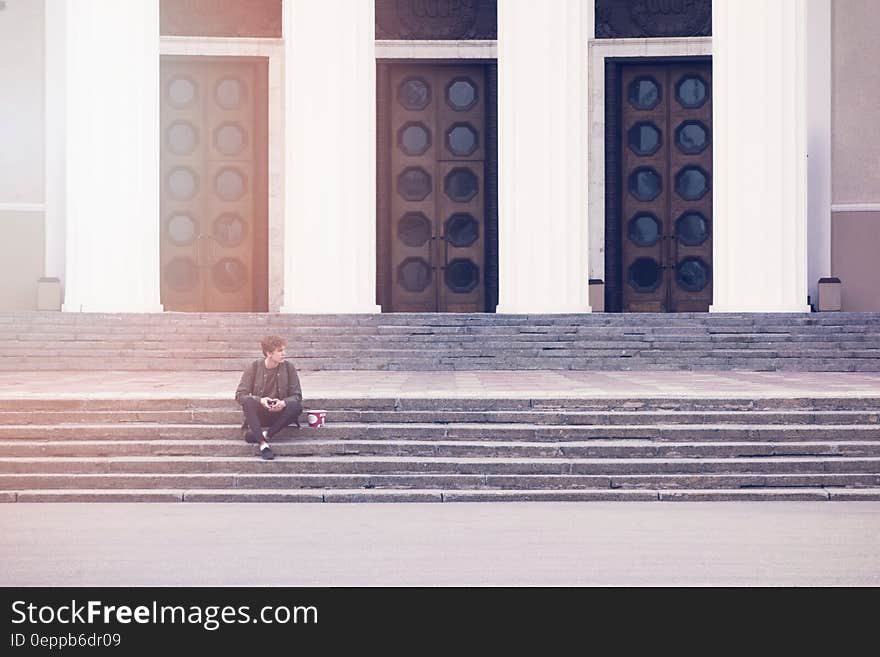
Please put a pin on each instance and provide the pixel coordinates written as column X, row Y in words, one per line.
column 253, row 379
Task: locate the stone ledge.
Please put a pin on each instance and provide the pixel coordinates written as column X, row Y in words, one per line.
column 752, row 495
column 593, row 495
column 100, row 496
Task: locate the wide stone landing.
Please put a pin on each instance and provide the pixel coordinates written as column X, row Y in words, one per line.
column 445, row 437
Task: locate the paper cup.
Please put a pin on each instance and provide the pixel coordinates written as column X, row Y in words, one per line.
column 316, row 418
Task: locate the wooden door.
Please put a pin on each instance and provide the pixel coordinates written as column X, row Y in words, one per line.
column 667, row 187
column 214, row 191
column 438, row 155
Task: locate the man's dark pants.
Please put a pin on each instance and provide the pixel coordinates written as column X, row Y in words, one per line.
column 257, row 417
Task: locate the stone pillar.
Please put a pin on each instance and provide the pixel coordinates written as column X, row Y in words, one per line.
column 818, row 144
column 111, row 133
column 330, row 157
column 542, row 147
column 760, row 156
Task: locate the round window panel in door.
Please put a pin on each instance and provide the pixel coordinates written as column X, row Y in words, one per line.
column 644, row 138
column 181, row 229
column 229, row 274
column 692, row 137
column 461, row 94
column 691, row 229
column 691, row 91
column 645, row 274
column 644, row 93
column 230, row 184
column 414, row 184
column 414, row 229
column 414, row 94
column 461, row 139
column 462, row 275
column 181, row 92
column 414, row 274
column 645, row 184
column 692, row 183
column 414, row 139
column 181, row 274
column 229, row 229
column 229, row 93
column 461, row 185
column 644, row 230
column 462, row 230
column 182, row 138
column 692, row 274
column 182, row 183
column 230, row 139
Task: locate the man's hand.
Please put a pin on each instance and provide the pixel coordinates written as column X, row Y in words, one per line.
column 264, row 402
column 278, row 405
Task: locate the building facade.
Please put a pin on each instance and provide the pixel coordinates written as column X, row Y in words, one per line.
column 438, row 155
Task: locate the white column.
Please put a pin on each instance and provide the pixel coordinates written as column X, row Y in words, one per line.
column 112, row 155
column 543, row 233
column 818, row 143
column 330, row 157
column 760, row 156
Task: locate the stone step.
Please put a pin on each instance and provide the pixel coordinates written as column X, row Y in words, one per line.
column 535, row 416
column 450, row 364
column 459, row 465
column 462, row 482
column 360, row 495
column 450, row 431
column 620, row 448
column 670, row 406
column 274, row 319
column 416, row 353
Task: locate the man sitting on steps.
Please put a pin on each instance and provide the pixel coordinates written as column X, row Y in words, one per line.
column 269, row 394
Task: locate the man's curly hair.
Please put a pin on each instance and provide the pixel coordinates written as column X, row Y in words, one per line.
column 271, row 343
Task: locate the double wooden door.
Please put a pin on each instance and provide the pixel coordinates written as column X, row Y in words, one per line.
column 666, row 159
column 437, row 195
column 214, row 192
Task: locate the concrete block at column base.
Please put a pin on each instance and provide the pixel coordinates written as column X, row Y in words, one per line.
column 49, row 294
column 829, row 294
column 597, row 295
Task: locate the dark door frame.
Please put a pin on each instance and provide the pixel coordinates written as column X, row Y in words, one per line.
column 613, row 173
column 384, row 184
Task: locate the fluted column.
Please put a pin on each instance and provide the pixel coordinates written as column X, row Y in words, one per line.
column 111, row 136
column 542, row 148
column 760, row 156
column 330, row 157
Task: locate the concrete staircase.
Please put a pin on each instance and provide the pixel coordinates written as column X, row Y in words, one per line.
column 226, row 342
column 445, row 450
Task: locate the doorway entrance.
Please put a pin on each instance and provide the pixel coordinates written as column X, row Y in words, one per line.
column 214, row 194
column 664, row 229
column 435, row 232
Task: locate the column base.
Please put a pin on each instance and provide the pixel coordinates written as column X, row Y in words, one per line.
column 512, row 309
column 745, row 308
column 110, row 309
column 367, row 309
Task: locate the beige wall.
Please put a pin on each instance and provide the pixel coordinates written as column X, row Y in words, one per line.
column 855, row 152
column 21, row 259
column 855, row 239
column 855, row 130
column 21, row 102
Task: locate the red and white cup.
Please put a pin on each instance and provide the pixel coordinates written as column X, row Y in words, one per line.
column 316, row 418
